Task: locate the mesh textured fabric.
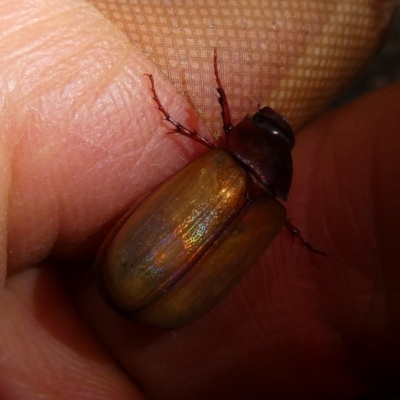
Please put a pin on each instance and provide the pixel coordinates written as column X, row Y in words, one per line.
column 293, row 55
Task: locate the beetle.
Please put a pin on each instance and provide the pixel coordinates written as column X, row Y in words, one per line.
column 181, row 250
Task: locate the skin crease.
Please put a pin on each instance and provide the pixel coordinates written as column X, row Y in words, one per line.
column 328, row 326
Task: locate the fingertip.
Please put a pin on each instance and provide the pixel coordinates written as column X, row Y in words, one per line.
column 81, row 132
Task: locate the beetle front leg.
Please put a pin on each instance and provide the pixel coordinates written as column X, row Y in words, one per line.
column 178, row 127
column 222, row 100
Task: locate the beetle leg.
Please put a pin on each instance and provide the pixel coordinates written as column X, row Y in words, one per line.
column 296, row 234
column 222, row 100
column 178, row 127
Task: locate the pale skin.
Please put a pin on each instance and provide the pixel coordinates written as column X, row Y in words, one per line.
column 82, row 140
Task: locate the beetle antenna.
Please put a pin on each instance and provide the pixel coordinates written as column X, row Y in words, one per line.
column 297, row 235
column 178, row 128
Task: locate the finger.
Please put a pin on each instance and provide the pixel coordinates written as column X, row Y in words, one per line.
column 315, row 321
column 76, row 184
column 356, row 211
column 293, row 55
column 77, row 125
column 47, row 351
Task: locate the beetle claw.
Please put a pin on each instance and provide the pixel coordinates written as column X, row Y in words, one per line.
column 297, row 235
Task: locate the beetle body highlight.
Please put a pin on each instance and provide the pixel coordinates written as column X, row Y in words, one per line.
column 189, row 243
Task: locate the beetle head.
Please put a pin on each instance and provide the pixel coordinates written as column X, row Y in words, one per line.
column 274, row 123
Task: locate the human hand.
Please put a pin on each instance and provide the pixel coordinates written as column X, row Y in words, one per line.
column 80, row 136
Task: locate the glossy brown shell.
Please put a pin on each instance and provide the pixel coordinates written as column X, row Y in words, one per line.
column 185, row 246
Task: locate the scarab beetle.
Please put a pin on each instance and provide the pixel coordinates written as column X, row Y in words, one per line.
column 181, row 250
